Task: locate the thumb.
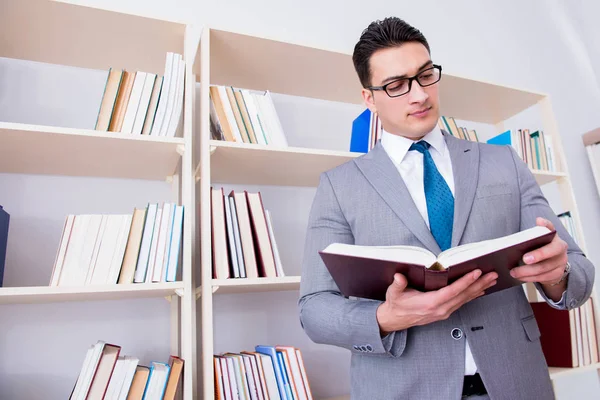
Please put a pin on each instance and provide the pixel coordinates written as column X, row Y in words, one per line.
column 539, row 221
column 399, row 283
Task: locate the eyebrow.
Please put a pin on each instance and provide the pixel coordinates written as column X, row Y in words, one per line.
column 393, row 78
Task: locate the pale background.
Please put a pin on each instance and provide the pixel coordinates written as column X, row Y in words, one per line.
column 546, row 46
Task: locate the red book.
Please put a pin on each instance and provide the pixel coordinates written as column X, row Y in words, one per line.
column 556, row 335
column 367, row 271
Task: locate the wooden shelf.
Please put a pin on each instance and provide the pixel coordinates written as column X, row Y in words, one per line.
column 561, row 372
column 240, row 163
column 245, row 285
column 80, row 36
column 33, row 149
column 252, row 164
column 258, row 63
column 543, row 177
column 48, row 294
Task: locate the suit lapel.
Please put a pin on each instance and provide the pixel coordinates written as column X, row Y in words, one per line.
column 465, row 169
column 382, row 174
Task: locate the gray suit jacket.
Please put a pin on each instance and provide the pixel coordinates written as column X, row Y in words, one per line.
column 366, row 202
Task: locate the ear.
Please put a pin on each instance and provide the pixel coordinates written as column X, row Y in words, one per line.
column 369, row 100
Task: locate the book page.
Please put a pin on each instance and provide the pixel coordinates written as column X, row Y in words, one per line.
column 459, row 254
column 404, row 254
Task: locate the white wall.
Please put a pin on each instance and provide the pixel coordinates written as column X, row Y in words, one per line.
column 541, row 45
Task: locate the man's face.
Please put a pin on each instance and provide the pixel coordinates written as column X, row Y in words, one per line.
column 414, row 114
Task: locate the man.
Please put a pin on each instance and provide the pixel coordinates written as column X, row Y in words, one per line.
column 422, row 187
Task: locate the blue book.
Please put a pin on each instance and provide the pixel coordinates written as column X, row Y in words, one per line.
column 502, row 139
column 361, row 129
column 4, row 220
column 157, row 380
column 285, row 375
column 279, row 374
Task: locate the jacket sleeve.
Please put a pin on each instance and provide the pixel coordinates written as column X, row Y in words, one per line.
column 326, row 315
column 533, row 205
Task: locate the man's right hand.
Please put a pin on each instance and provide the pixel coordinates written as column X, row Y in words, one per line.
column 405, row 307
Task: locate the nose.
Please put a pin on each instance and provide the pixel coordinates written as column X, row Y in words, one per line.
column 417, row 94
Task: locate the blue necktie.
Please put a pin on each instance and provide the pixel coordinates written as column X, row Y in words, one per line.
column 440, row 202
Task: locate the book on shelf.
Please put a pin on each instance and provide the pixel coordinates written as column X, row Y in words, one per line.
column 367, row 271
column 4, row 224
column 98, row 249
column 143, row 103
column 243, row 240
column 569, row 338
column 244, row 116
column 367, row 130
column 567, row 220
column 107, row 374
column 268, row 372
column 534, row 148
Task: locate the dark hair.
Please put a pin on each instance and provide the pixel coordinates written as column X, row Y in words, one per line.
column 391, row 32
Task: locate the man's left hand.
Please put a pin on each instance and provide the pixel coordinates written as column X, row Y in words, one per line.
column 545, row 265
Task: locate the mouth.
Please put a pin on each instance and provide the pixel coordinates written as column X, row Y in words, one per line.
column 420, row 113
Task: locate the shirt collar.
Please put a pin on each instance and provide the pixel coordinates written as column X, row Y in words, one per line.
column 397, row 146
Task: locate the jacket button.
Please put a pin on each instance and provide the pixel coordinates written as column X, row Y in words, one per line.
column 456, row 333
column 356, row 348
column 369, row 348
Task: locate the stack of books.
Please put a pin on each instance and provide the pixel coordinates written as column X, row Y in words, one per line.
column 569, row 338
column 244, row 116
column 243, row 240
column 367, row 131
column 567, row 221
column 269, row 372
column 142, row 103
column 535, row 149
column 449, row 125
column 100, row 249
column 106, row 374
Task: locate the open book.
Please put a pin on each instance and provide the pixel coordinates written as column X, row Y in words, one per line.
column 367, row 271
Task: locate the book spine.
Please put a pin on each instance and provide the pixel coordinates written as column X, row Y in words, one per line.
column 435, row 280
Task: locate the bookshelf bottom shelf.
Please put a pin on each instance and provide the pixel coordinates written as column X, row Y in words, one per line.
column 561, row 372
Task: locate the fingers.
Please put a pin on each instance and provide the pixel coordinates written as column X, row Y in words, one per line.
column 552, row 249
column 397, row 287
column 473, row 291
column 460, row 285
column 539, row 221
column 526, row 272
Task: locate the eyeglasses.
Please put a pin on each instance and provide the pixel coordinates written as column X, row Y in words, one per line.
column 399, row 87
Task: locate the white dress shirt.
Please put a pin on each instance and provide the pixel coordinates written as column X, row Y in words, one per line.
column 410, row 166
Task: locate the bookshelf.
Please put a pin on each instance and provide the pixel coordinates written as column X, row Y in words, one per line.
column 243, row 61
column 87, row 38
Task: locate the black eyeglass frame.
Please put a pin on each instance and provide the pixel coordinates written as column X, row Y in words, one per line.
column 410, row 81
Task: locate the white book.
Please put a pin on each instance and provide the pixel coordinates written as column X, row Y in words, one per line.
column 222, row 391
column 84, row 382
column 230, row 235
column 229, row 114
column 154, row 246
column 62, row 250
column 119, row 253
column 167, row 248
column 263, row 117
column 140, row 116
column 116, row 380
column 237, row 238
column 164, row 94
column 171, row 95
column 108, row 245
column 250, row 378
column 90, row 246
column 144, row 255
column 179, row 94
column 267, row 366
column 72, row 265
column 132, row 363
column 134, row 102
column 274, row 117
column 233, row 379
column 165, row 223
column 278, row 264
column 175, row 245
column 253, row 113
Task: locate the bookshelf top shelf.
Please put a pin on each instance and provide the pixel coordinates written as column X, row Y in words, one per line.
column 80, row 36
column 262, row 64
